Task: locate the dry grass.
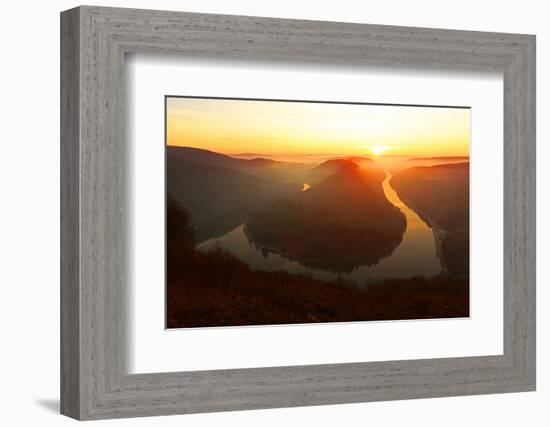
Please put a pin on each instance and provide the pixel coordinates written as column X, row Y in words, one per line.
column 216, row 289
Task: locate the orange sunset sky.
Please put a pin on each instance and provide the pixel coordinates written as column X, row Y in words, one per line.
column 298, row 128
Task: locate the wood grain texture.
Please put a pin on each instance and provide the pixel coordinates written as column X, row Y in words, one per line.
column 94, row 272
column 70, row 333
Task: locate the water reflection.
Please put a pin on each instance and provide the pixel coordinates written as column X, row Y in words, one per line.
column 414, row 256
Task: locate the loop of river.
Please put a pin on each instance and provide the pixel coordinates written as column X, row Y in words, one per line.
column 415, row 255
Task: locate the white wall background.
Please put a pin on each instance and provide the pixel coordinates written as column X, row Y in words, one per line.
column 29, row 214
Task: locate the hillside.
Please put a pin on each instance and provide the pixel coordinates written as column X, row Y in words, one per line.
column 440, row 196
column 212, row 158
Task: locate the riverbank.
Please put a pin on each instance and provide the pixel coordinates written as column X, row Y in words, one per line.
column 414, row 255
column 439, row 195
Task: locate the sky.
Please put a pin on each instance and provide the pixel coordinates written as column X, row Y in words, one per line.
column 316, row 129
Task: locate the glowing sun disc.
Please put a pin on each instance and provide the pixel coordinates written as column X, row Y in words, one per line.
column 378, row 150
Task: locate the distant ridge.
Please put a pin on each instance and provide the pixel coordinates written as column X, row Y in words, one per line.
column 301, row 158
column 353, row 158
column 263, row 161
column 465, row 158
column 199, row 153
column 213, row 158
column 463, row 167
column 251, row 155
column 456, row 165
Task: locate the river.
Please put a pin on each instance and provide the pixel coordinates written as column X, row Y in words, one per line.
column 415, row 255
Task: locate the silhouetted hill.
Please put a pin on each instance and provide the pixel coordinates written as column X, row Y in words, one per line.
column 342, row 222
column 257, row 165
column 331, row 166
column 260, row 166
column 218, row 191
column 327, row 168
column 440, row 196
column 345, row 179
column 208, row 157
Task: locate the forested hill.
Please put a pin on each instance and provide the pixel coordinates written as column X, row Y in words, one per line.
column 343, row 221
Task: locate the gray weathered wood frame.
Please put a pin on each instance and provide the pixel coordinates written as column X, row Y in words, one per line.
column 94, row 41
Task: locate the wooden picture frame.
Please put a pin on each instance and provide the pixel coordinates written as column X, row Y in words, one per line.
column 94, row 382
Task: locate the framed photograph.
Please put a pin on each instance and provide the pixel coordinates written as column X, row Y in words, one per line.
column 283, row 212
column 262, row 213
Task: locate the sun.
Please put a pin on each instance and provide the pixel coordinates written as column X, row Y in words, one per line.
column 379, row 149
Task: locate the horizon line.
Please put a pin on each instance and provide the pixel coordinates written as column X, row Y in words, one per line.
column 306, row 155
